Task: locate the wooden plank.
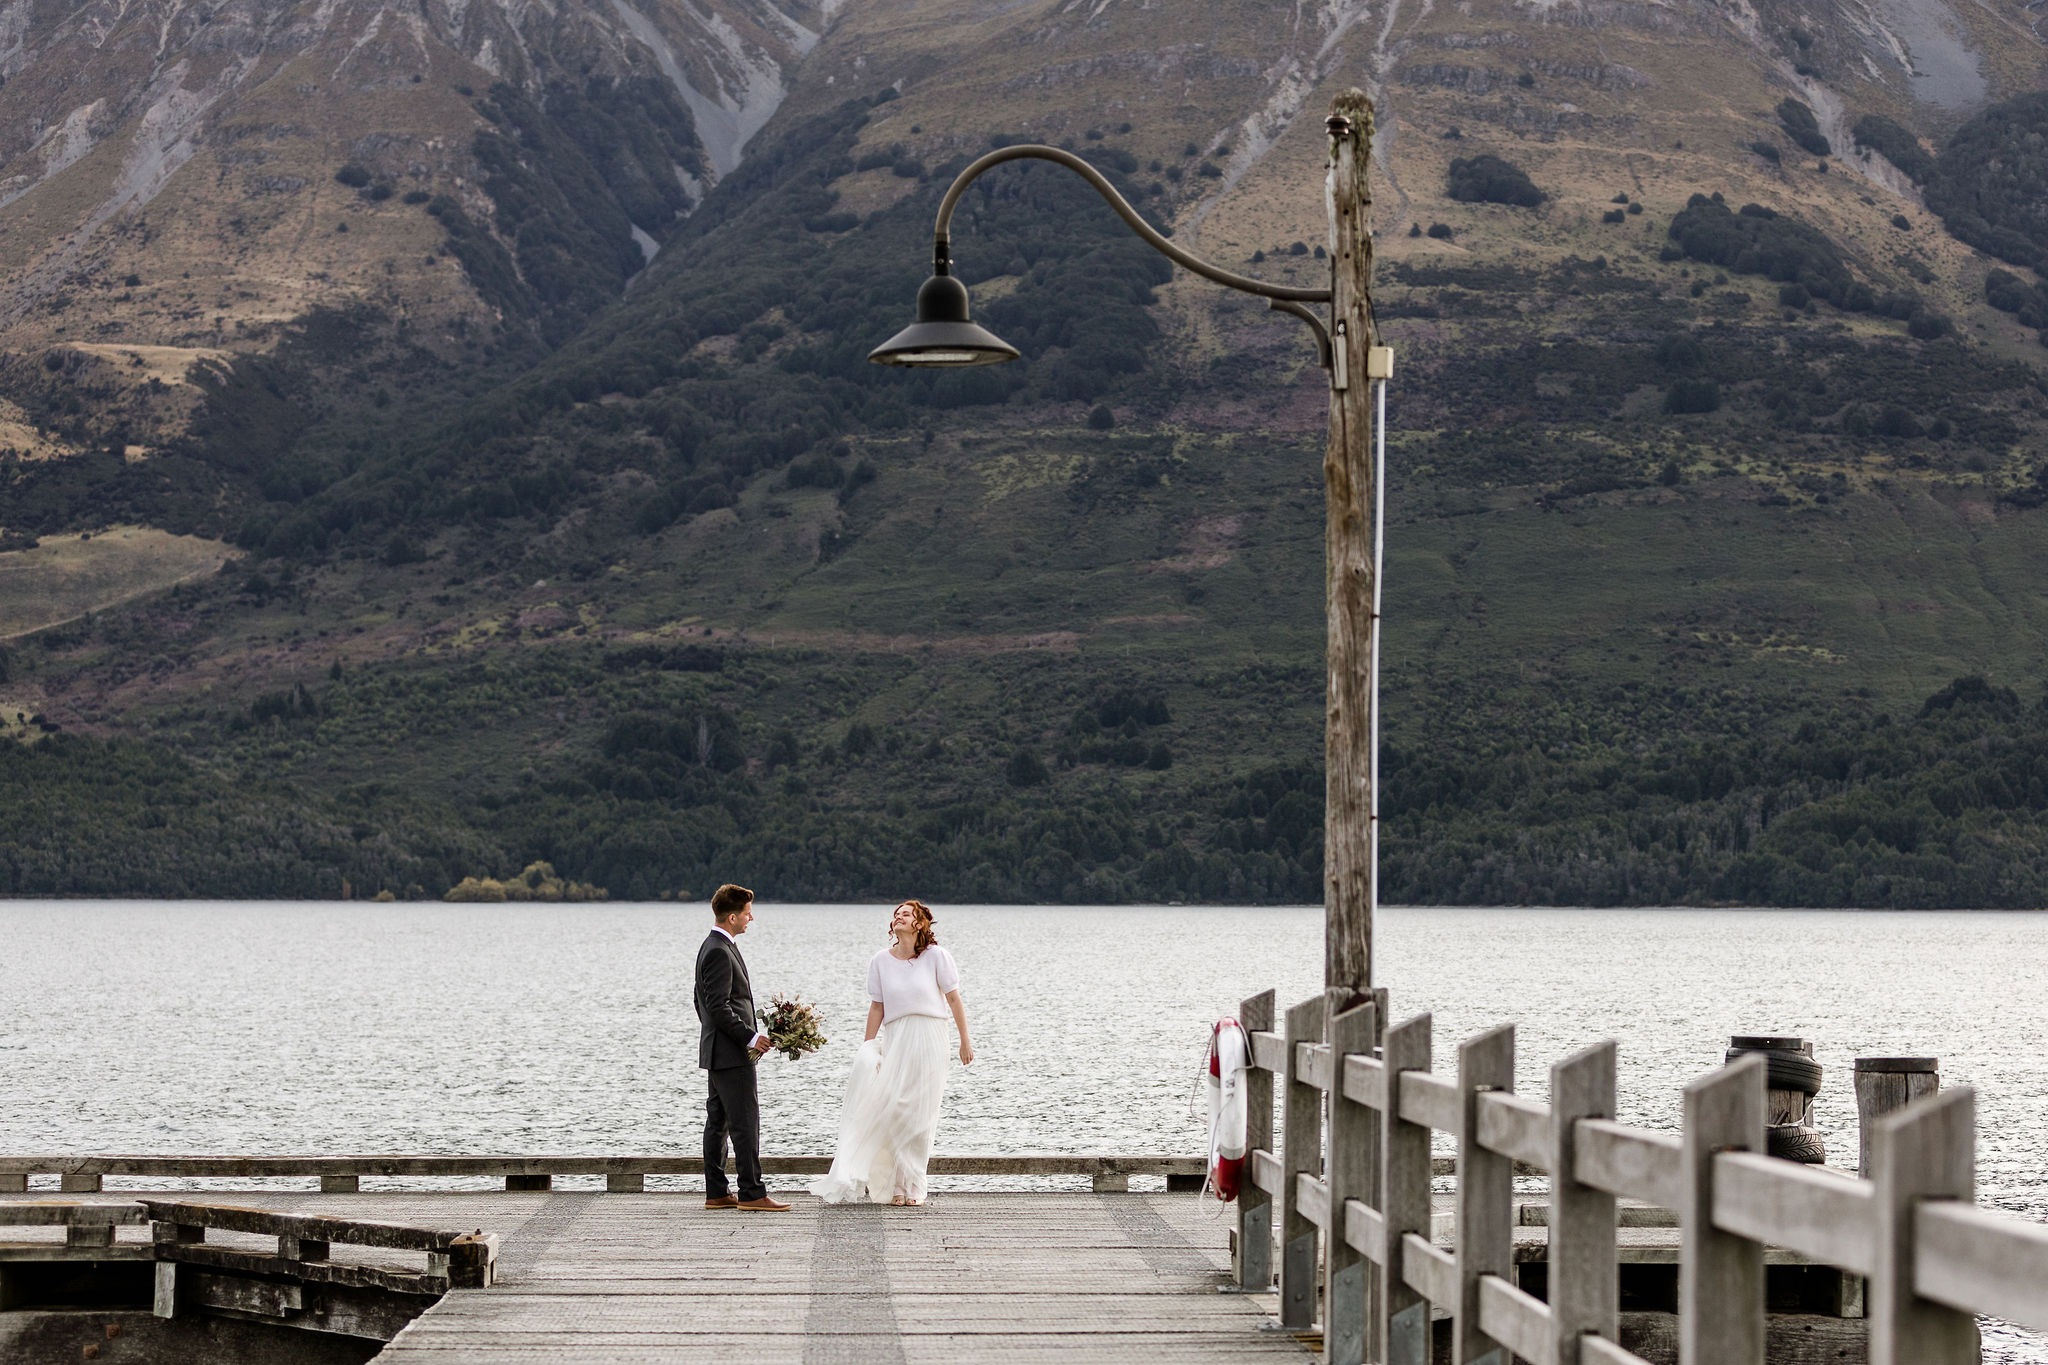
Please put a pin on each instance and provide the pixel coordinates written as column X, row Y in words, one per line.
column 1981, row 1262
column 311, row 1227
column 1601, row 1351
column 1630, row 1162
column 1430, row 1101
column 1365, row 1231
column 15, row 1252
column 1720, row 1274
column 1518, row 1129
column 1269, row 1050
column 1400, row 1308
column 67, row 1213
column 1349, row 1171
column 260, row 1297
column 1809, row 1209
column 1429, row 1270
column 1252, row 1251
column 1518, row 1321
column 1312, row 1064
column 311, row 1272
column 1924, row 1152
column 1301, row 1150
column 84, row 1174
column 1583, row 1286
column 1365, row 1081
column 1485, row 1235
column 1312, row 1199
column 1267, row 1171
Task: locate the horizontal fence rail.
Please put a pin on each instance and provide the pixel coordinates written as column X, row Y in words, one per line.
column 1357, row 1229
column 623, row 1174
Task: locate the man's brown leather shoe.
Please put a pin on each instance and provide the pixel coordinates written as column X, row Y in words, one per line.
column 724, row 1201
column 767, row 1203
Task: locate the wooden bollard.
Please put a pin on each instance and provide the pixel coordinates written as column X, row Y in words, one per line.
column 1884, row 1085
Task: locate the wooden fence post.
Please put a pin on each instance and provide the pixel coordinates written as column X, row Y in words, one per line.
column 1885, row 1085
column 1347, row 1174
column 1301, row 1139
column 1254, row 1205
column 1486, row 1194
column 1720, row 1275
column 1402, row 1326
column 1925, row 1151
column 1584, row 1286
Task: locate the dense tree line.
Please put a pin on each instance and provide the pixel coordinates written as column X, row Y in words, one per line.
column 1630, row 796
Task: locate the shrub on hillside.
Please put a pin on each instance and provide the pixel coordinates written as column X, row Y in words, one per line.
column 1760, row 241
column 1692, row 395
column 1487, row 179
column 1801, row 126
column 1895, row 144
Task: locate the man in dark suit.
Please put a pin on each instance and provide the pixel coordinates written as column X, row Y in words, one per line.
column 729, row 1042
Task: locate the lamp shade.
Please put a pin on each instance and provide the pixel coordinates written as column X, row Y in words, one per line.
column 943, row 337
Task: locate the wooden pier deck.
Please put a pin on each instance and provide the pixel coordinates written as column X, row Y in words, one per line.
column 1015, row 1278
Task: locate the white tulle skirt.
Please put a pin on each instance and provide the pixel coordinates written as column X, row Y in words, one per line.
column 890, row 1115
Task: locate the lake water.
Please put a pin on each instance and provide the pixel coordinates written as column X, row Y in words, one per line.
column 304, row 1028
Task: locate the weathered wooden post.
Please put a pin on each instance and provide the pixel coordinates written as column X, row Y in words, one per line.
column 1485, row 1235
column 1926, row 1151
column 1720, row 1274
column 1254, row 1250
column 1349, row 889
column 1885, row 1085
column 1401, row 1316
column 1349, row 1173
column 1301, row 1153
column 1585, row 1291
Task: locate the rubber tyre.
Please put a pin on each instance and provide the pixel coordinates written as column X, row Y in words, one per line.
column 1796, row 1142
column 1788, row 1070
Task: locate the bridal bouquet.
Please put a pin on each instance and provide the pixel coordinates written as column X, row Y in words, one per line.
column 793, row 1027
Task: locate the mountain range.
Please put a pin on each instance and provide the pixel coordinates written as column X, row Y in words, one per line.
column 437, row 438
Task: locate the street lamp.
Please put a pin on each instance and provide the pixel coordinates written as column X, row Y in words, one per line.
column 1354, row 475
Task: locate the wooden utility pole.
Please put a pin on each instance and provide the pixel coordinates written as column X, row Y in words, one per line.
column 1349, row 842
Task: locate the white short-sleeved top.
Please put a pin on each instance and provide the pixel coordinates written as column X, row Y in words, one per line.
column 918, row 986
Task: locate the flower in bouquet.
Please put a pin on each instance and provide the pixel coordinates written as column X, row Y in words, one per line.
column 794, row 1027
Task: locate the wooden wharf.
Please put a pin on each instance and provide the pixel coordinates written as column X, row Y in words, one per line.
column 1016, row 1278
column 1354, row 1239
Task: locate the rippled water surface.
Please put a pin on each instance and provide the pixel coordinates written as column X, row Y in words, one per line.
column 272, row 1028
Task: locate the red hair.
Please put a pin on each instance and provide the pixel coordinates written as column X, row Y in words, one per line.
column 921, row 918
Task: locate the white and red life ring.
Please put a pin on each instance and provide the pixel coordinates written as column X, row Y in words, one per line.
column 1224, row 1084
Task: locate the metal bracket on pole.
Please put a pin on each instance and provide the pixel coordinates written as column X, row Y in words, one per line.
column 1315, row 323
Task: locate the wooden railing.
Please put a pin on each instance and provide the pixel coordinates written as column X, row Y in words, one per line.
column 623, row 1174
column 1355, row 1202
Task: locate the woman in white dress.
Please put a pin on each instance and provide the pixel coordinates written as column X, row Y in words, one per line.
column 899, row 1074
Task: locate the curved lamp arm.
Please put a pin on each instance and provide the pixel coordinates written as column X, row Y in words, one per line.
column 942, row 254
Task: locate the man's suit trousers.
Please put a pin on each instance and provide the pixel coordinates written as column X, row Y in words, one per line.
column 734, row 1108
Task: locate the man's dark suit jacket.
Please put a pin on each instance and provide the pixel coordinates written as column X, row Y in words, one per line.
column 725, row 1005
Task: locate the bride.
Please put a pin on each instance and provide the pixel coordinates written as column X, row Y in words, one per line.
column 899, row 1074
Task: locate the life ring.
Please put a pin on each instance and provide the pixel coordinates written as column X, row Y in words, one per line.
column 1224, row 1084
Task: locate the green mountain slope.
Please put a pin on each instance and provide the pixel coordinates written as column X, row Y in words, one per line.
column 1707, row 481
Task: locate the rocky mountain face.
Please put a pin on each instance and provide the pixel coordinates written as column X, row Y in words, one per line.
column 168, row 169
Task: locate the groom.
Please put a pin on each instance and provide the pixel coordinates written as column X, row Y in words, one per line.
column 729, row 1043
